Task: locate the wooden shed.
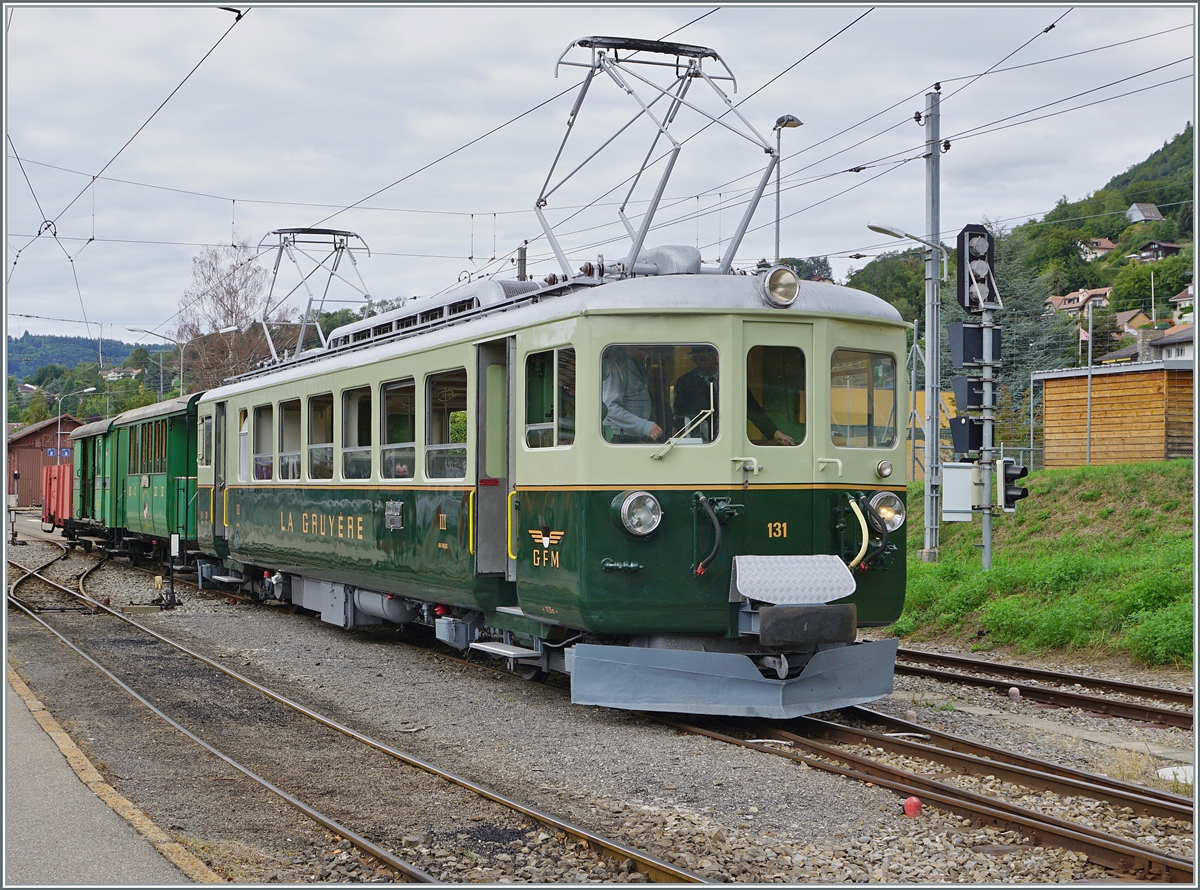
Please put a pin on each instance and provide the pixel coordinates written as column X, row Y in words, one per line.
column 1141, row 411
column 33, row 447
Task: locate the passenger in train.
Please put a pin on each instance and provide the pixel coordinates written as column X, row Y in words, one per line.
column 692, row 397
column 626, row 397
column 696, row 391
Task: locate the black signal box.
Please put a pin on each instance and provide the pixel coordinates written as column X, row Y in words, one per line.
column 966, row 344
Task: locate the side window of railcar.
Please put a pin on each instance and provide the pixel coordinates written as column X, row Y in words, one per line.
column 356, row 433
column 649, row 392
column 204, row 458
column 289, row 439
column 264, row 422
column 550, row 398
column 134, row 452
column 862, row 399
column 320, row 437
column 446, row 426
column 398, row 451
column 775, row 397
column 160, row 446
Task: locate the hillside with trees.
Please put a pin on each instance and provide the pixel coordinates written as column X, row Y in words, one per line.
column 1042, row 258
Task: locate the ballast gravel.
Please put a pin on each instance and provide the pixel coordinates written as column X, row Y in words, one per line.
column 723, row 812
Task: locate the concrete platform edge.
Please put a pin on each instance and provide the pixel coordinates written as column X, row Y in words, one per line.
column 89, row 776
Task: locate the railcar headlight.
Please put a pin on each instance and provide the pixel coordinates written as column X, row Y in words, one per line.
column 780, row 286
column 639, row 512
column 884, row 469
column 890, row 509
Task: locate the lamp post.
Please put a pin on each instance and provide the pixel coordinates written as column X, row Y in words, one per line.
column 58, row 436
column 180, row 346
column 788, row 121
column 933, row 379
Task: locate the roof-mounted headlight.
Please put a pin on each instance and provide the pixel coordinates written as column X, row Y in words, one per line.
column 780, row 285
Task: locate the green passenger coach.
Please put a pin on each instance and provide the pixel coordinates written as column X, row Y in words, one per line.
column 678, row 488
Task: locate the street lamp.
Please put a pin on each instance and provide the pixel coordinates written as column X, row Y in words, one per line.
column 58, row 437
column 933, row 378
column 180, row 346
column 788, row 121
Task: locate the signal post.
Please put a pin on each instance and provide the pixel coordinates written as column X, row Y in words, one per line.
column 976, row 345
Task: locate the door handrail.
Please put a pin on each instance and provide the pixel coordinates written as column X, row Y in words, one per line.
column 508, row 525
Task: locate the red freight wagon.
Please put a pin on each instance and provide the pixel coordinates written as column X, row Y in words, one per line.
column 57, row 481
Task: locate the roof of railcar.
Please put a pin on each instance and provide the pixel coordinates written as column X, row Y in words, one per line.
column 645, row 295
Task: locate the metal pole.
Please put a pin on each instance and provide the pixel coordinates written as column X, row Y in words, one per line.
column 58, row 435
column 1089, row 387
column 1031, row 422
column 778, row 149
column 933, row 343
column 989, row 416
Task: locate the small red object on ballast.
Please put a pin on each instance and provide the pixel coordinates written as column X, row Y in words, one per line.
column 912, row 806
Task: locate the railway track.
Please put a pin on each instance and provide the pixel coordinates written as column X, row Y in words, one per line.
column 1107, row 705
column 1118, row 853
column 623, row 857
column 1040, row 675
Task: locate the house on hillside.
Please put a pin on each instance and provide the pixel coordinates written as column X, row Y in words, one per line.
column 1176, row 342
column 1129, row 321
column 1140, row 411
column 121, row 374
column 1077, row 302
column 1182, row 304
column 1095, row 248
column 1142, row 213
column 33, row 447
column 1153, row 251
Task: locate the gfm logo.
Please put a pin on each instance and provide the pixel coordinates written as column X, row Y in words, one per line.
column 546, row 539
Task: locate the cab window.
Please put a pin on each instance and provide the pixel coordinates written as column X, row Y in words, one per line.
column 550, row 398
column 650, row 392
column 862, row 399
column 446, row 425
column 775, row 401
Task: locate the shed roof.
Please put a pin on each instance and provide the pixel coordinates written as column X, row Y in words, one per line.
column 35, row 427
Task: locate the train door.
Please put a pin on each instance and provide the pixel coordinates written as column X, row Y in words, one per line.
column 493, row 458
column 777, row 361
column 220, row 469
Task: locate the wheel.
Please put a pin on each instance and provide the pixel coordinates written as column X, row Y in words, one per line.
column 530, row 672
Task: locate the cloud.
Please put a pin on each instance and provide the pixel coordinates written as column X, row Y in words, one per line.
column 321, row 105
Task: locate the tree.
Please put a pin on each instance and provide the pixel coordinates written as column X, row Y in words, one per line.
column 227, row 290
column 139, row 358
column 38, row 410
column 14, row 400
column 811, row 268
column 895, row 276
column 1131, row 289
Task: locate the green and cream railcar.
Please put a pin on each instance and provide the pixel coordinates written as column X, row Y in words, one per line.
column 464, row 464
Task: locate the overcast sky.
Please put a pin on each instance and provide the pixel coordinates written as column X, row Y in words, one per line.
column 302, row 111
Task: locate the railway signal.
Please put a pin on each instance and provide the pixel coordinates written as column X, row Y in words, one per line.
column 976, row 265
column 1007, row 491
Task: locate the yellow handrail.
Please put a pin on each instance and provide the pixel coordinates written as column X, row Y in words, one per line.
column 471, row 522
column 225, row 509
column 210, row 505
column 508, row 524
column 862, row 520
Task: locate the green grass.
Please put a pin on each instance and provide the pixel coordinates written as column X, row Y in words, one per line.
column 1096, row 558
